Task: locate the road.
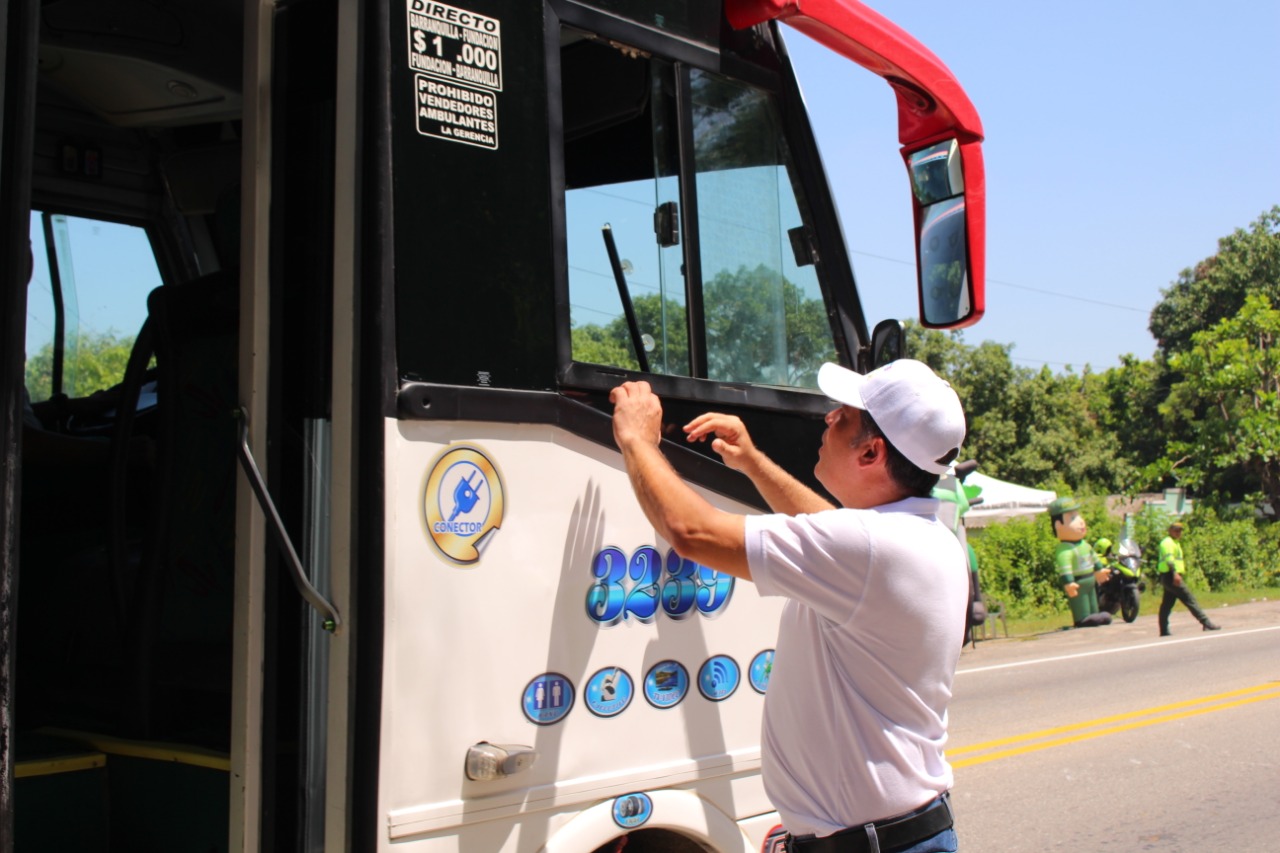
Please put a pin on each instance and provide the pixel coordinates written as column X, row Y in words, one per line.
column 1116, row 739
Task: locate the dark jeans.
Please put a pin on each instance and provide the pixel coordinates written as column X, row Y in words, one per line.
column 1177, row 593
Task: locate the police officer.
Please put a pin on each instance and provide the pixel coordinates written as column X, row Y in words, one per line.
column 1170, row 571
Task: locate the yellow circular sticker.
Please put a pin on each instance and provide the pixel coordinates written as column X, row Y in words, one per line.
column 463, row 502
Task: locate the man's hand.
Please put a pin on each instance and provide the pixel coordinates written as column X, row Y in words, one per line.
column 637, row 414
column 1177, row 579
column 1073, row 589
column 1102, row 575
column 731, row 441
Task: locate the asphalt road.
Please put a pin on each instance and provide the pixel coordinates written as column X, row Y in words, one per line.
column 1116, row 739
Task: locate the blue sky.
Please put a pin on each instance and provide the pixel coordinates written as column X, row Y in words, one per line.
column 1123, row 140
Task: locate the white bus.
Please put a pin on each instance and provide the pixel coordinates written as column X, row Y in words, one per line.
column 314, row 534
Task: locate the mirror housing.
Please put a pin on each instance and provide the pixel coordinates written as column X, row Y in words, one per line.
column 949, row 275
column 888, row 343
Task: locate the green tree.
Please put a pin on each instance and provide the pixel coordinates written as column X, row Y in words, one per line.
column 760, row 328
column 1126, row 402
column 1231, row 376
column 91, row 362
column 1037, row 428
column 1247, row 262
column 1059, row 444
column 662, row 320
column 746, row 343
column 595, row 344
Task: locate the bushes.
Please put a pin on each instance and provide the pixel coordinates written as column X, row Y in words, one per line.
column 1015, row 564
column 1229, row 553
column 1015, row 558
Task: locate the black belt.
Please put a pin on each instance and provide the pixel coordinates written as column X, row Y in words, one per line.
column 883, row 836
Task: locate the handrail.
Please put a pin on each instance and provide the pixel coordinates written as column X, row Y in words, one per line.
column 331, row 619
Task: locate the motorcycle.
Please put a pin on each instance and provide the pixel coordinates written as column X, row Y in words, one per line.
column 1123, row 590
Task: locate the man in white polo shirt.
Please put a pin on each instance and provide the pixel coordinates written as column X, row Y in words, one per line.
column 856, row 716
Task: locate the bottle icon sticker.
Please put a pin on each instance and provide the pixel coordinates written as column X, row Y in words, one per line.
column 760, row 670
column 609, row 692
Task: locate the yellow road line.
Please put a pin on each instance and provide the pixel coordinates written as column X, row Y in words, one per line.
column 1136, row 720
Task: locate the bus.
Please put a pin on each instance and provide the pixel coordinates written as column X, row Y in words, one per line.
column 314, row 534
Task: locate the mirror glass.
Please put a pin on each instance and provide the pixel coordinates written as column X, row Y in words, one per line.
column 936, row 172
column 944, row 276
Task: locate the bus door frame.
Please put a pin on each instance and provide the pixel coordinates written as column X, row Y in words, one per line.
column 18, row 52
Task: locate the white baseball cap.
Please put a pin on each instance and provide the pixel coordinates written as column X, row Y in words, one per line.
column 918, row 412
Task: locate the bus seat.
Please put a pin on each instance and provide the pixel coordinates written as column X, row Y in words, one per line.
column 180, row 630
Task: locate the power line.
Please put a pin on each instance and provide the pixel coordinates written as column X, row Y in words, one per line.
column 1039, row 290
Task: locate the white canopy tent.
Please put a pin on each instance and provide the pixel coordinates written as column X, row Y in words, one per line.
column 1002, row 500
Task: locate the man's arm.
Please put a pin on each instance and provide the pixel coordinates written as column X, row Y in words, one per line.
column 783, row 492
column 696, row 529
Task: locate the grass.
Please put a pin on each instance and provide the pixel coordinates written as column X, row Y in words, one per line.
column 1209, row 601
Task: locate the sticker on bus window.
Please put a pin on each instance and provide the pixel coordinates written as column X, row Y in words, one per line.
column 456, row 55
column 463, row 502
column 457, row 113
column 455, row 44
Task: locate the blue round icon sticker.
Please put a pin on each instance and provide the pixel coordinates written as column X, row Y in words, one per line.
column 632, row 810
column 547, row 699
column 609, row 692
column 666, row 684
column 718, row 678
column 761, row 669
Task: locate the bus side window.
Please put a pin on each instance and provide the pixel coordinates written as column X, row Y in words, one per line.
column 621, row 167
column 104, row 271
column 766, row 320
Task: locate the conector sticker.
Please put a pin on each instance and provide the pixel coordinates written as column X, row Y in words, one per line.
column 463, row 502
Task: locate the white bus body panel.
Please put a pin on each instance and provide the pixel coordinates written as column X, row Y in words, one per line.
column 467, row 646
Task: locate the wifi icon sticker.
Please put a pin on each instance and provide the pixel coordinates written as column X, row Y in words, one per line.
column 718, row 678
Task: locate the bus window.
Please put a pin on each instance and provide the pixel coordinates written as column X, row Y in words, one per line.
column 749, row 255
column 766, row 321
column 622, row 170
column 103, row 272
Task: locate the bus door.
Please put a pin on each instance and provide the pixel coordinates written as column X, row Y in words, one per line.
column 583, row 194
column 165, row 687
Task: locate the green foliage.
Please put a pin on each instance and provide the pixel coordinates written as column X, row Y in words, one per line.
column 1231, row 379
column 1037, row 428
column 92, row 362
column 1015, row 565
column 745, row 342
column 1226, row 553
column 1126, row 400
column 1247, row 262
column 760, row 328
column 599, row 345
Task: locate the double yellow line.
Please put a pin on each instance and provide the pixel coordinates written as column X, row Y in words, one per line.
column 981, row 753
